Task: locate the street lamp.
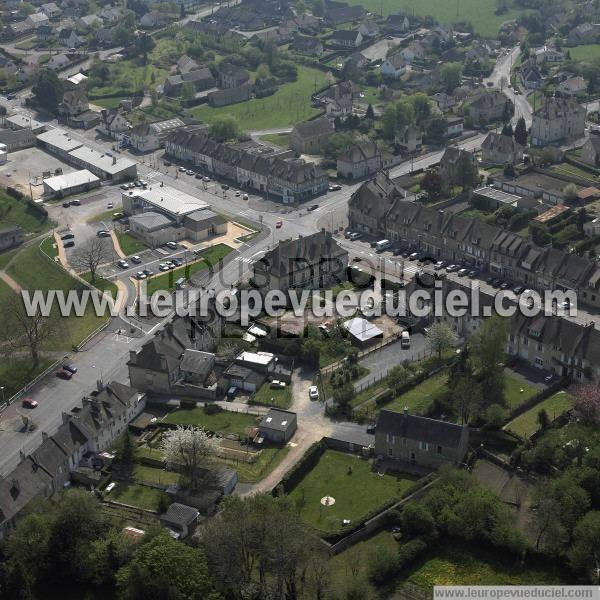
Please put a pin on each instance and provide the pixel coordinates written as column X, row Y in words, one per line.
column 2, row 388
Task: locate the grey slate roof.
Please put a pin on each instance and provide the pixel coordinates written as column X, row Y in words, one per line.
column 180, row 514
column 196, row 361
column 420, row 429
column 277, row 419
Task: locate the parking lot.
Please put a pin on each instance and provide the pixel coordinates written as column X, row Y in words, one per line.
column 28, row 165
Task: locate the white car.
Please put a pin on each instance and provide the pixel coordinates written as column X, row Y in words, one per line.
column 136, row 259
column 313, row 392
column 140, row 275
column 163, row 267
column 123, row 264
column 277, row 385
column 110, row 487
column 171, row 245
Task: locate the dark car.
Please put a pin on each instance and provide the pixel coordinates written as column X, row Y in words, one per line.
column 102, row 233
column 29, row 403
column 518, row 290
column 69, row 244
column 64, row 374
column 473, row 273
column 66, row 204
column 224, row 186
column 397, row 251
column 75, row 202
column 313, row 207
column 148, row 272
column 67, row 236
column 490, row 280
column 504, row 285
column 177, row 262
column 198, row 176
column 71, row 368
column 167, row 163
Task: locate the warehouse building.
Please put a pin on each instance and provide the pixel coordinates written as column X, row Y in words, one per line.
column 71, row 183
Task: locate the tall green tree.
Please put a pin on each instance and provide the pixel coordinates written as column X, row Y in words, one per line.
column 48, row 90
column 520, row 133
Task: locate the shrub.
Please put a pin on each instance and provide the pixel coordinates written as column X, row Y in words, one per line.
column 212, row 409
column 410, row 551
column 382, row 564
column 417, row 520
column 495, row 415
column 384, row 397
column 187, row 403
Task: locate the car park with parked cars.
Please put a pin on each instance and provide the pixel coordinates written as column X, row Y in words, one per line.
column 123, row 264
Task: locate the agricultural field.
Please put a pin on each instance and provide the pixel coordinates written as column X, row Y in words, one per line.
column 481, row 13
column 286, row 107
column 350, row 480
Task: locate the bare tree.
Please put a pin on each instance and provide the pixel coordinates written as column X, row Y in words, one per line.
column 91, row 255
column 28, row 330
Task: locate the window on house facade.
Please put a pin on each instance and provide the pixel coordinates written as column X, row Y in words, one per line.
column 423, row 445
column 439, row 449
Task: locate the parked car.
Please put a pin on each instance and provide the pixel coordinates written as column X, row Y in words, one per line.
column 413, row 256
column 313, row 392
column 224, row 186
column 205, row 178
column 148, row 272
column 166, row 163
column 163, row 267
column 172, row 245
column 277, row 385
column 182, row 169
column 279, row 224
column 462, row 272
column 504, row 285
column 110, row 205
column 189, row 172
column 68, row 244
column 473, row 273
column 440, row 264
column 29, row 403
column 397, row 251
column 136, row 259
column 140, row 275
column 245, row 197
column 125, row 186
column 71, row 368
column 75, row 202
column 103, row 233
column 198, row 176
column 110, row 487
column 452, row 268
column 355, row 235
column 67, row 236
column 335, row 187
column 177, row 262
column 518, row 290
column 313, row 207
column 66, row 204
column 123, row 264
column 64, row 374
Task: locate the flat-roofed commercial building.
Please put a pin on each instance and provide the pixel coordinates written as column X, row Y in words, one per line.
column 104, row 164
column 59, row 142
column 71, row 183
column 166, row 200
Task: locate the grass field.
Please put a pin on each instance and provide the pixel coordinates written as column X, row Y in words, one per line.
column 15, row 374
column 107, row 102
column 269, row 397
column 421, row 396
column 20, row 212
column 221, row 422
column 288, row 106
column 481, row 13
column 279, row 139
column 453, row 564
column 586, row 52
column 136, row 495
column 6, row 257
column 33, row 271
column 48, row 247
column 101, row 284
column 129, row 244
column 154, row 475
column 209, row 258
column 258, row 470
column 526, row 424
column 355, row 494
column 512, row 391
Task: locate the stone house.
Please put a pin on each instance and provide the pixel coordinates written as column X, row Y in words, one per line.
column 360, row 160
column 453, row 163
column 402, row 438
column 590, row 151
column 346, row 38
column 585, row 33
column 200, row 79
column 394, row 66
column 74, row 102
column 308, row 46
column 232, row 76
column 278, row 426
column 113, row 123
column 309, row 137
column 230, row 95
column 558, row 120
column 531, row 78
column 548, row 54
column 409, row 139
column 572, row 86
column 488, row 107
column 498, row 149
column 314, row 262
column 369, row 29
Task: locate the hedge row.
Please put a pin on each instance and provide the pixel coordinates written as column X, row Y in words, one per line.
column 297, row 473
column 537, row 398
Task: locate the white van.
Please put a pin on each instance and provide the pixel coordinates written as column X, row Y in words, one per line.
column 405, row 340
column 382, row 245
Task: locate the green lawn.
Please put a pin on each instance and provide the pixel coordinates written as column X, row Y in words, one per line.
column 6, row 257
column 253, row 472
column 454, row 564
column 107, row 102
column 279, row 139
column 104, row 285
column 21, row 212
column 587, row 52
column 154, row 475
column 512, row 391
column 288, row 106
column 126, row 77
column 526, row 424
column 355, row 494
column 269, row 397
column 573, row 170
column 222, row 422
column 481, row 13
column 15, row 374
column 48, row 247
column 421, row 396
column 129, row 244
column 166, row 281
column 33, row 271
column 136, row 495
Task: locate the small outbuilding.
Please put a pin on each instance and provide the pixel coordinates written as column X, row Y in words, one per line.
column 278, row 425
column 362, row 332
column 180, row 519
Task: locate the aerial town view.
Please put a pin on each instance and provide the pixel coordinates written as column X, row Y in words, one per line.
column 299, row 299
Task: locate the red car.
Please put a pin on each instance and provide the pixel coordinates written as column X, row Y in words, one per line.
column 29, row 403
column 64, row 374
column 279, row 224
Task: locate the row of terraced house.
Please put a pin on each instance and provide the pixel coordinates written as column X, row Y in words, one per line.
column 278, row 174
column 379, row 207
